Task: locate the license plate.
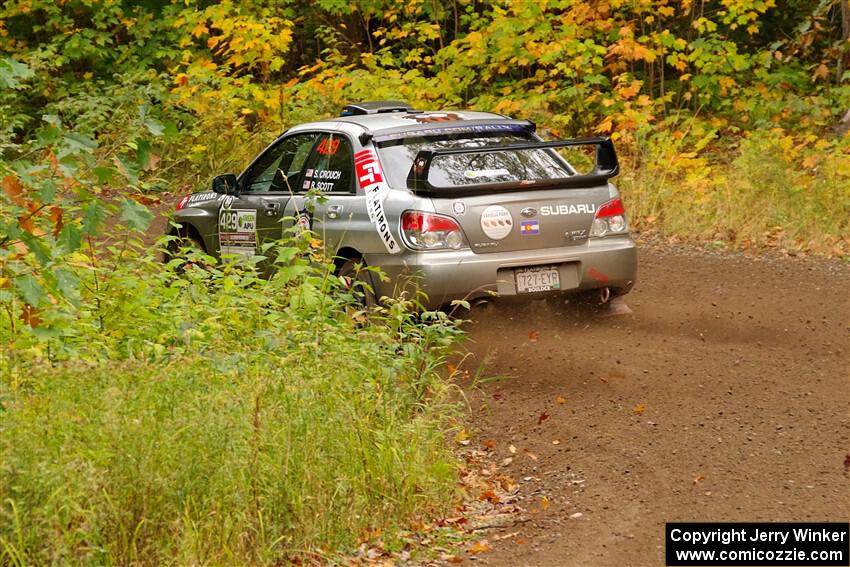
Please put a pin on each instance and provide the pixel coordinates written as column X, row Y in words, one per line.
column 541, row 278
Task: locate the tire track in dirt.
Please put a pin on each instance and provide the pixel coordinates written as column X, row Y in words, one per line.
column 724, row 396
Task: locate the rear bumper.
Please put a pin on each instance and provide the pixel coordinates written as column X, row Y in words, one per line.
column 448, row 275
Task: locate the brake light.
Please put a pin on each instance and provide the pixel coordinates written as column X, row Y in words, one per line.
column 610, row 218
column 182, row 203
column 427, row 231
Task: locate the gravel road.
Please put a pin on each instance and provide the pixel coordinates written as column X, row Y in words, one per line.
column 723, row 396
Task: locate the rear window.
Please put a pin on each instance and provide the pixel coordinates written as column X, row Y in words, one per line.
column 472, row 169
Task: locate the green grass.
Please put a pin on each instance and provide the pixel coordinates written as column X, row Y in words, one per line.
column 768, row 190
column 237, row 423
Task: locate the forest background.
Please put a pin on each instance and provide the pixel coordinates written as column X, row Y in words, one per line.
column 136, row 400
column 727, row 113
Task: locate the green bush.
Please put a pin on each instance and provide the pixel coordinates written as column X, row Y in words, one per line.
column 216, row 417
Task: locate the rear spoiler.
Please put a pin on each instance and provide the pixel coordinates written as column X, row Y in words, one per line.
column 605, row 168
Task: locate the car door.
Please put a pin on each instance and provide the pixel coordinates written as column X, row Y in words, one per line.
column 255, row 214
column 338, row 215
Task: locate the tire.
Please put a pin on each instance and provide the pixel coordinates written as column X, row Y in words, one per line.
column 177, row 249
column 359, row 281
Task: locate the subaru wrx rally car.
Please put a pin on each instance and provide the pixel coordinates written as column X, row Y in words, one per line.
column 463, row 203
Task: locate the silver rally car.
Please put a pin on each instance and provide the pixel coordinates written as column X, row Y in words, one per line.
column 464, row 204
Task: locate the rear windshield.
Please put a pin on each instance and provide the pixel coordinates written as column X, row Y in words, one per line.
column 472, row 169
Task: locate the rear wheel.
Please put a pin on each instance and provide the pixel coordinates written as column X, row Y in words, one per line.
column 358, row 281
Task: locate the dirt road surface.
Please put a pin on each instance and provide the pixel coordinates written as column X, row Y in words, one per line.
column 724, row 396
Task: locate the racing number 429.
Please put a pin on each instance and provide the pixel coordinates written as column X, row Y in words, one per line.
column 233, row 221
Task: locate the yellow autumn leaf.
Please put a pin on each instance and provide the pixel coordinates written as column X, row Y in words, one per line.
column 480, row 547
column 200, row 30
column 605, row 127
column 811, row 161
column 822, row 72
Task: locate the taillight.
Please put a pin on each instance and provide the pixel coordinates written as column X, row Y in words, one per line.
column 427, row 231
column 610, row 219
column 182, row 203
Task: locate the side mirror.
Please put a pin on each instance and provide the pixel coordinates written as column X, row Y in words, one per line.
column 224, row 184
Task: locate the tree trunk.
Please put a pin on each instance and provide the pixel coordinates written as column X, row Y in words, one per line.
column 845, row 20
column 844, row 55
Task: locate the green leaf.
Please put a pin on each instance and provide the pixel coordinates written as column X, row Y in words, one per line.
column 138, row 216
column 70, row 238
column 38, row 247
column 46, row 190
column 170, row 130
column 154, row 127
column 78, row 143
column 128, row 170
column 143, row 153
column 93, row 216
column 11, row 71
column 67, row 284
column 104, row 174
column 52, row 119
column 29, row 289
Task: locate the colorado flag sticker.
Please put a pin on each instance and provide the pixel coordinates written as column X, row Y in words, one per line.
column 529, row 227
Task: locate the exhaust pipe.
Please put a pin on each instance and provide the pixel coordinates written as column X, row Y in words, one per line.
column 604, row 295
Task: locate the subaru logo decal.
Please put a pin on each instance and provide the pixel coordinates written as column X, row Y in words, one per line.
column 528, row 212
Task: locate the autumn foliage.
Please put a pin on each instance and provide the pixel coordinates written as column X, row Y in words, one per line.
column 727, row 116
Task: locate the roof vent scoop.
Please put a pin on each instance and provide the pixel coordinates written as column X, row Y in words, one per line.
column 375, row 107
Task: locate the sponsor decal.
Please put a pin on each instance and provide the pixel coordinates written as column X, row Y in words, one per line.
column 528, row 212
column 459, row 208
column 583, row 209
column 496, row 222
column 237, row 231
column 529, row 227
column 476, row 173
column 457, row 129
column 371, row 180
column 367, row 168
column 198, row 198
column 423, row 118
column 227, row 202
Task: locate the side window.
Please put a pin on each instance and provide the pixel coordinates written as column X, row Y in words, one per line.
column 329, row 168
column 279, row 167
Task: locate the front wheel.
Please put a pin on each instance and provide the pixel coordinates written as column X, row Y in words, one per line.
column 186, row 247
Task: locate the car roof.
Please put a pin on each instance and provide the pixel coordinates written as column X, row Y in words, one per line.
column 413, row 121
column 387, row 120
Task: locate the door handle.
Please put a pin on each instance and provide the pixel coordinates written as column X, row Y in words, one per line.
column 272, row 208
column 334, row 211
